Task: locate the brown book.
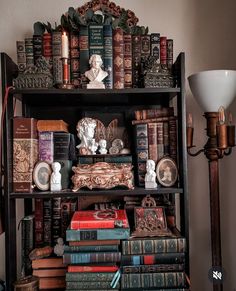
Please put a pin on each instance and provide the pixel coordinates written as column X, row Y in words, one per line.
column 95, row 242
column 48, row 263
column 25, row 153
column 74, row 57
column 118, row 58
column 152, row 141
column 163, row 50
column 57, row 272
column 52, row 125
column 154, row 112
column 128, row 60
column 47, row 48
column 52, row 283
column 155, row 119
column 136, row 60
column 38, row 222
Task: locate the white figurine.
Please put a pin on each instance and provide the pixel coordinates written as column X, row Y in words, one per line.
column 93, row 146
column 59, row 247
column 86, row 130
column 55, row 179
column 96, row 73
column 150, row 177
column 102, row 146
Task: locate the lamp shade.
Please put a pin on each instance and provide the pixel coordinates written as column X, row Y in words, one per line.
column 213, row 88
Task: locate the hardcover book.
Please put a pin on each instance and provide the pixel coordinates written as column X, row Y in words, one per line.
column 74, row 57
column 56, row 57
column 153, row 268
column 118, row 58
column 89, row 285
column 136, row 60
column 90, row 277
column 25, row 153
column 48, row 263
column 99, row 219
column 46, row 148
column 27, row 242
column 21, row 57
column 108, row 55
column 84, row 53
column 108, row 158
column 96, row 40
column 92, row 268
column 29, row 51
column 99, row 248
column 155, row 46
column 38, row 222
column 128, row 60
column 163, row 50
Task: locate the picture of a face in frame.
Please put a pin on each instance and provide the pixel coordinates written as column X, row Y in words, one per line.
column 167, row 172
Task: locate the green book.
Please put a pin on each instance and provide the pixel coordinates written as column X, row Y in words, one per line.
column 90, row 277
column 96, row 40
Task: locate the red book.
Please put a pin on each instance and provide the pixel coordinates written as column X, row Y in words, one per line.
column 94, row 242
column 92, row 269
column 107, row 218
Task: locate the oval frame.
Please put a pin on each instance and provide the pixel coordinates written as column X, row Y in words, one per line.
column 167, row 178
column 41, row 175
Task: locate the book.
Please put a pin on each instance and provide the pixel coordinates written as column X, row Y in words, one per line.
column 108, row 158
column 27, row 243
column 74, row 57
column 155, row 46
column 136, row 60
column 52, row 283
column 153, row 280
column 84, row 53
column 108, row 55
column 37, row 47
column 46, row 147
column 56, row 57
column 163, row 50
column 56, row 219
column 155, row 119
column 95, row 242
column 29, row 52
column 151, row 259
column 48, row 263
column 21, row 57
column 118, row 59
column 153, row 268
column 144, row 114
column 128, row 60
column 99, row 248
column 66, row 214
column 61, row 142
column 154, row 245
column 57, row 272
column 25, row 153
column 97, row 234
column 38, row 222
column 169, row 56
column 90, row 277
column 96, row 40
column 47, row 221
column 99, row 219
column 95, row 257
column 152, row 141
column 89, row 285
column 91, row 268
column 52, row 125
column 47, row 48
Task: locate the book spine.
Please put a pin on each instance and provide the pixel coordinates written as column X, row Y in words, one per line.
column 128, row 60
column 163, row 50
column 101, row 248
column 141, row 145
column 96, row 40
column 50, row 272
column 152, row 141
column 169, row 45
column 48, row 263
column 160, row 140
column 161, row 258
column 108, row 55
column 156, row 119
column 84, row 53
column 27, row 242
column 56, row 219
column 47, row 221
column 74, row 57
column 47, row 48
column 92, row 269
column 25, row 153
column 37, row 47
column 118, row 58
column 90, row 277
column 145, row 53
column 61, row 142
column 46, row 148
column 136, row 61
column 52, row 283
column 95, row 243
column 153, row 280
column 97, row 234
column 38, row 222
column 105, row 158
column 65, row 216
column 153, row 268
column 153, row 113
column 21, row 57
column 166, row 137
column 155, row 46
column 152, row 246
column 56, row 57
column 173, row 138
column 29, row 52
column 84, row 258
column 89, row 285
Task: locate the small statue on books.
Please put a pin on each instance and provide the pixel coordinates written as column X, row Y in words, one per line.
column 96, row 73
column 59, row 247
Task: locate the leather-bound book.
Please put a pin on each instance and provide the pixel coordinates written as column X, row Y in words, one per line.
column 47, row 48
column 56, row 57
column 155, row 46
column 136, row 61
column 108, row 55
column 74, row 57
column 21, row 57
column 128, row 60
column 163, row 50
column 169, row 47
column 118, row 58
column 84, row 53
column 37, row 47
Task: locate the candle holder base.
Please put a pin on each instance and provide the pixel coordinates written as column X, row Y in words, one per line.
column 66, row 86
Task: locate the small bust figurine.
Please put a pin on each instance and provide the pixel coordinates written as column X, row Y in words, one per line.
column 86, row 130
column 93, row 146
column 96, row 73
column 150, row 177
column 55, row 179
column 102, row 146
column 59, row 247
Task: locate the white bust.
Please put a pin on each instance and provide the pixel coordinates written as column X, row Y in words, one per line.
column 102, row 146
column 55, row 179
column 86, row 130
column 96, row 73
column 150, row 177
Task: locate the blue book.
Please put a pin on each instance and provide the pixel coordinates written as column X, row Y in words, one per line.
column 100, row 248
column 86, row 258
column 97, row 234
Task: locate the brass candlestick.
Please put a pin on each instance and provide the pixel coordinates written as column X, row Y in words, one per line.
column 66, row 80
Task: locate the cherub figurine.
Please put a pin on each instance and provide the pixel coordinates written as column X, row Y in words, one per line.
column 55, row 179
column 150, row 177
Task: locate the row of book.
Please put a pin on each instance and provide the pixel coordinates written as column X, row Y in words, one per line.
column 155, row 133
column 123, row 54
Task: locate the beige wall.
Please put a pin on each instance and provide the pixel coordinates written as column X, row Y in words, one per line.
column 205, row 31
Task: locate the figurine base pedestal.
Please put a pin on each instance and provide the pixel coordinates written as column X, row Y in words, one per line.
column 95, row 85
column 66, row 86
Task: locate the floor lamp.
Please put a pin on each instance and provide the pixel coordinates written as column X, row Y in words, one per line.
column 214, row 90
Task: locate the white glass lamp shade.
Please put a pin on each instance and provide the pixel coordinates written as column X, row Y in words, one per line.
column 213, row 89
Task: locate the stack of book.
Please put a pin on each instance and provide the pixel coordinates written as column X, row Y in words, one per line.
column 156, row 262
column 51, row 272
column 93, row 252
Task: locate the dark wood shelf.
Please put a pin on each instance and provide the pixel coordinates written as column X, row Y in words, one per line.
column 96, row 192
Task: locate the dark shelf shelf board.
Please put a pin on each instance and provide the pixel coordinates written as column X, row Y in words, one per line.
column 94, row 192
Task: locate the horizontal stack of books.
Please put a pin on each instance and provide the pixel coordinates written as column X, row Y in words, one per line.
column 93, row 252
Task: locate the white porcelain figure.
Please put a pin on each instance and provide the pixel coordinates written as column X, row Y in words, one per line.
column 55, row 179
column 86, row 129
column 150, row 176
column 59, row 247
column 102, row 146
column 96, row 73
